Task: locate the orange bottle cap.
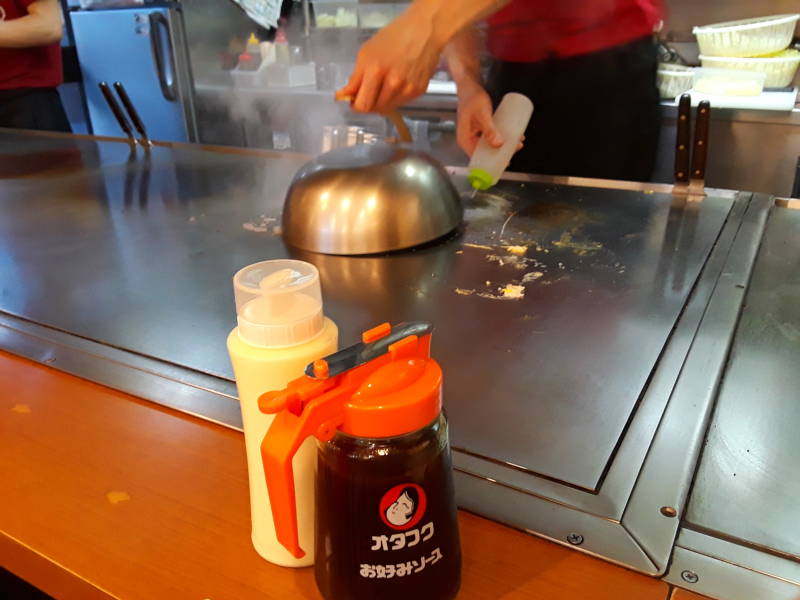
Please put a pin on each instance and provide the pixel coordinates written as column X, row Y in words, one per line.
column 386, row 386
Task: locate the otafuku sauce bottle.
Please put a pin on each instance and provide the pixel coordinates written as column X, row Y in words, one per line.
column 385, row 524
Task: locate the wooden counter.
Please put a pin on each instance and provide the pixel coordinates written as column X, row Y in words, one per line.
column 106, row 496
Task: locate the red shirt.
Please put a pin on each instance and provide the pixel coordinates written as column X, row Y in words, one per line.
column 533, row 30
column 27, row 67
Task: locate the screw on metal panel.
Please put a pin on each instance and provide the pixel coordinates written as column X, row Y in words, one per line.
column 668, row 511
column 576, row 539
column 690, row 576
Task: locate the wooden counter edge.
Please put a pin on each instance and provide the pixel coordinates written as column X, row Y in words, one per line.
column 190, row 512
column 48, row 576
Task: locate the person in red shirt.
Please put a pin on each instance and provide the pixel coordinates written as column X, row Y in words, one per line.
column 30, row 65
column 589, row 66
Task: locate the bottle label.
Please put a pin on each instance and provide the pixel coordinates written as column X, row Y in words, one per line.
column 402, row 509
column 403, row 506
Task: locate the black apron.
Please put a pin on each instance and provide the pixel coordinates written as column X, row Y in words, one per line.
column 595, row 115
column 33, row 108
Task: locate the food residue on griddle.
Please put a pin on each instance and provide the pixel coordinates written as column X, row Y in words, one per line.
column 262, row 225
column 254, row 227
column 581, row 248
column 518, row 262
column 513, row 291
column 485, row 206
column 509, row 291
column 535, row 245
column 532, row 276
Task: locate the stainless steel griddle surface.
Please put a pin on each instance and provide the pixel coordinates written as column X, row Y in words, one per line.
column 747, row 486
column 551, row 307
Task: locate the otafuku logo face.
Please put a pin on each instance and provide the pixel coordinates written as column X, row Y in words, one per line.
column 403, row 506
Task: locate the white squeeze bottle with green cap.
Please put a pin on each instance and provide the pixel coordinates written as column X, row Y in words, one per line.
column 511, row 120
column 281, row 329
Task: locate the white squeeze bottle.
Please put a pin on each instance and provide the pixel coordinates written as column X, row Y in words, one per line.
column 281, row 329
column 511, row 119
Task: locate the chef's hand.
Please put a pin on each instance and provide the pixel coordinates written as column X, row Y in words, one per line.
column 475, row 118
column 394, row 66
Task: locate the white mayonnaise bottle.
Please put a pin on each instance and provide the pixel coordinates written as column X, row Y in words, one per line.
column 281, row 329
column 510, row 119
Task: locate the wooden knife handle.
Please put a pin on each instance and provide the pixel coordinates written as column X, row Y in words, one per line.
column 682, row 149
column 700, row 147
column 131, row 109
column 115, row 109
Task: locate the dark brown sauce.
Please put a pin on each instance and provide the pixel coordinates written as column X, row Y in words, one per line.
column 353, row 476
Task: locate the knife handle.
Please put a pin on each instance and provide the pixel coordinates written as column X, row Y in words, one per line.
column 700, row 147
column 115, row 110
column 682, row 149
column 132, row 112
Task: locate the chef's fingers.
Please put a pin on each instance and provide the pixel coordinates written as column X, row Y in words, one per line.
column 467, row 134
column 412, row 90
column 487, row 128
column 521, row 143
column 408, row 92
column 390, row 97
column 467, row 139
column 368, row 92
column 350, row 90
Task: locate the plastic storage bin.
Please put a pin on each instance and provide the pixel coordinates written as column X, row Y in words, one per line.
column 778, row 68
column 375, row 16
column 725, row 82
column 276, row 75
column 748, row 37
column 674, row 79
column 335, row 13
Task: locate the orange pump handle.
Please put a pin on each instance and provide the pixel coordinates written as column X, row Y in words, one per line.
column 287, row 432
column 317, row 404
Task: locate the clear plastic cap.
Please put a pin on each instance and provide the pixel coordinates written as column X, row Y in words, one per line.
column 278, row 303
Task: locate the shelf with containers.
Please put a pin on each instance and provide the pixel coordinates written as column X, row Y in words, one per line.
column 335, row 13
column 762, row 45
column 339, row 14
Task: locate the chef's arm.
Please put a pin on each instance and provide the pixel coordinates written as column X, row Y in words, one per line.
column 396, row 64
column 474, row 105
column 40, row 27
column 449, row 17
column 463, row 59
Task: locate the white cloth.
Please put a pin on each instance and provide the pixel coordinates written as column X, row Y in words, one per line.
column 263, row 12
